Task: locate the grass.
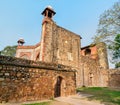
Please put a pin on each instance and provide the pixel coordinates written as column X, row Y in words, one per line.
column 105, row 95
column 42, row 103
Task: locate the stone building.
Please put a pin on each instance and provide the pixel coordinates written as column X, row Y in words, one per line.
column 54, row 67
column 59, row 45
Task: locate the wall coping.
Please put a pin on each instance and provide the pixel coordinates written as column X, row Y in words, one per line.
column 7, row 60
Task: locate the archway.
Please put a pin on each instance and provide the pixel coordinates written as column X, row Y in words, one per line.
column 37, row 57
column 87, row 51
column 57, row 91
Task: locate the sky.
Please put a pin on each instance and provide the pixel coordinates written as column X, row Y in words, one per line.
column 22, row 18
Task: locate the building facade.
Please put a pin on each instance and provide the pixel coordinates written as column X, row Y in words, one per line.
column 61, row 46
column 54, row 67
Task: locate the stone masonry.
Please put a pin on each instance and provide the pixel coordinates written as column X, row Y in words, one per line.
column 55, row 66
column 23, row 80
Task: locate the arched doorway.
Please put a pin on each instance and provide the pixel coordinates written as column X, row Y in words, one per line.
column 57, row 91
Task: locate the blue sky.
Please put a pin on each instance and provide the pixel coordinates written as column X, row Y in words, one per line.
column 22, row 18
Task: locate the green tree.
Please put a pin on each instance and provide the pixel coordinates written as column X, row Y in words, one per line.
column 108, row 28
column 117, row 65
column 9, row 51
column 115, row 48
column 109, row 24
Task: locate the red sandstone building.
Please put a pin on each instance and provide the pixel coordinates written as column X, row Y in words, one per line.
column 55, row 66
column 61, row 46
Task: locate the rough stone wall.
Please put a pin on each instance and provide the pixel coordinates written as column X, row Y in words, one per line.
column 102, row 54
column 92, row 74
column 59, row 45
column 68, row 51
column 98, row 52
column 46, row 50
column 93, row 51
column 114, row 78
column 24, row 80
column 28, row 52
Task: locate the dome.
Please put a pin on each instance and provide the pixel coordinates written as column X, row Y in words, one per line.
column 49, row 7
column 21, row 41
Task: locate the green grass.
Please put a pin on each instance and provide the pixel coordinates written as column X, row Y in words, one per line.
column 105, row 95
column 42, row 103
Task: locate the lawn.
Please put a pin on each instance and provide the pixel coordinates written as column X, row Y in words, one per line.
column 105, row 95
column 42, row 103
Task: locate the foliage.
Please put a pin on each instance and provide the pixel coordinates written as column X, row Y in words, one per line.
column 42, row 103
column 9, row 51
column 115, row 48
column 105, row 95
column 109, row 24
column 108, row 28
column 117, row 65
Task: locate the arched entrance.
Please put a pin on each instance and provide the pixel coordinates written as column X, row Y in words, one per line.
column 57, row 91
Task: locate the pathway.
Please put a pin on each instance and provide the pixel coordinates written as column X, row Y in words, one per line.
column 79, row 99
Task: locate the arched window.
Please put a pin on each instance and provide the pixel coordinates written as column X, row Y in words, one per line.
column 87, row 52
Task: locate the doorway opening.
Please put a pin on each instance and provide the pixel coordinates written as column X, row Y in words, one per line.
column 57, row 91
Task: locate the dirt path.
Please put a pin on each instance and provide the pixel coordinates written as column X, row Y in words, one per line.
column 77, row 100
column 59, row 103
column 80, row 99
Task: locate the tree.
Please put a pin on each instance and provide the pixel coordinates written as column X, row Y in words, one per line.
column 117, row 65
column 108, row 28
column 115, row 48
column 109, row 24
column 9, row 51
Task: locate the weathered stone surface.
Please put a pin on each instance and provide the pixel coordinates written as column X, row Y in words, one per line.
column 23, row 83
column 22, row 80
column 114, row 78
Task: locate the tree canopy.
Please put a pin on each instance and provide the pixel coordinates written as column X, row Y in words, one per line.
column 115, row 48
column 9, row 51
column 109, row 32
column 109, row 24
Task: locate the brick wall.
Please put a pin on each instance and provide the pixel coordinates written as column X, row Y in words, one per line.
column 23, row 80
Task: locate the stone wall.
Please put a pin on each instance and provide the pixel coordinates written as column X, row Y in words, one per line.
column 114, row 78
column 24, row 80
column 102, row 55
column 59, row 45
column 92, row 74
column 28, row 52
column 68, row 47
